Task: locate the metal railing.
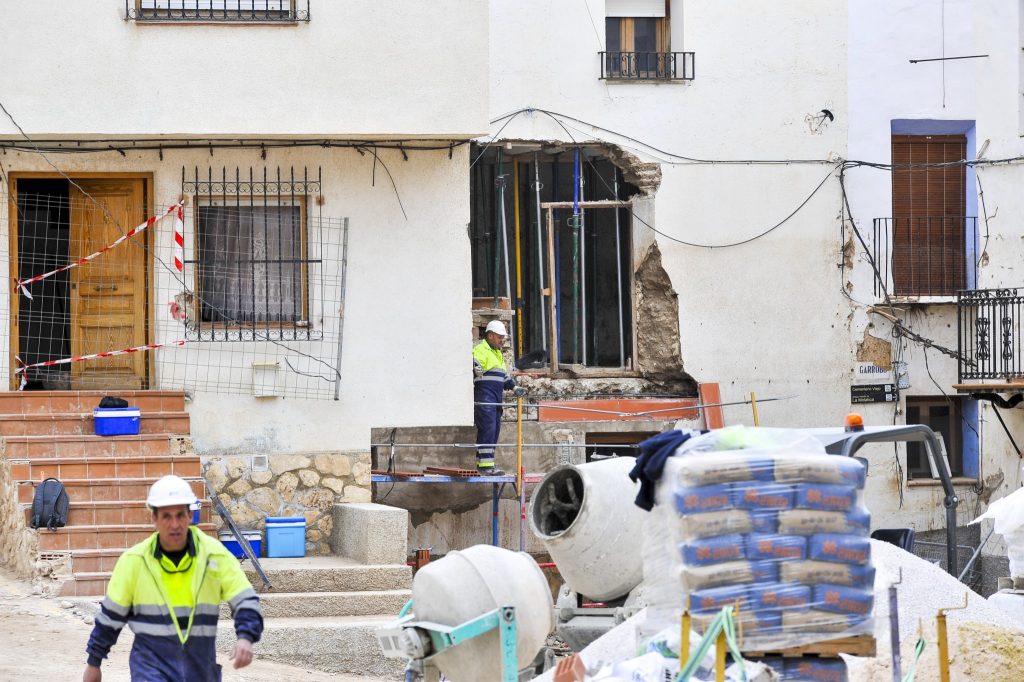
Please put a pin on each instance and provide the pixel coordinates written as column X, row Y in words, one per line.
column 647, row 66
column 243, row 11
column 989, row 326
column 924, row 255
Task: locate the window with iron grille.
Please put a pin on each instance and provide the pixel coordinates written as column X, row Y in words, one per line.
column 637, row 43
column 247, row 11
column 250, row 258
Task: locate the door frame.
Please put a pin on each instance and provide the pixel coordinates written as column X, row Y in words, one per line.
column 15, row 298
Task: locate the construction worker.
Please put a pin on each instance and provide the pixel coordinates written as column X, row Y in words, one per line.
column 490, row 380
column 168, row 590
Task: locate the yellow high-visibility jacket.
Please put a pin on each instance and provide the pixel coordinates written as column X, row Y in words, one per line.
column 173, row 610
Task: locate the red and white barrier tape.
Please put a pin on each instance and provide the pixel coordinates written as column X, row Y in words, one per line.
column 176, row 209
column 179, row 240
column 79, row 358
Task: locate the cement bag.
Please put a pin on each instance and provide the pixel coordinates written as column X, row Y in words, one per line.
column 802, row 572
column 1007, row 514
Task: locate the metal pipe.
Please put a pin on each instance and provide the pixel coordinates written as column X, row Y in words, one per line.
column 519, row 474
column 618, row 271
column 556, row 268
column 977, row 553
column 504, row 250
column 341, row 308
column 576, row 257
column 496, row 272
column 894, row 630
column 519, row 261
column 553, row 295
column 500, row 445
column 540, row 257
column 583, row 271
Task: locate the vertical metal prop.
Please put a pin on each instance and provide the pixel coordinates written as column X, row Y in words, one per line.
column 576, row 258
column 540, row 256
column 583, row 272
column 618, row 270
column 518, row 349
column 554, row 292
column 341, row 308
column 519, row 474
column 499, row 207
column 894, row 630
column 504, row 250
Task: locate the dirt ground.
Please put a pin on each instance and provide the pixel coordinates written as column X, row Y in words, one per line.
column 41, row 640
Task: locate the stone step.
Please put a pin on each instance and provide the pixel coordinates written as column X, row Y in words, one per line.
column 85, row 561
column 35, row 402
column 105, row 467
column 81, row 423
column 145, row 445
column 132, row 512
column 105, row 490
column 98, row 537
column 339, row 604
column 329, row 574
column 337, row 645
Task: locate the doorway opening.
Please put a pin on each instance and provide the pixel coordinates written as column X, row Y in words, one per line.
column 98, row 305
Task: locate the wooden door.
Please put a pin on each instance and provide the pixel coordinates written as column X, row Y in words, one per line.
column 108, row 294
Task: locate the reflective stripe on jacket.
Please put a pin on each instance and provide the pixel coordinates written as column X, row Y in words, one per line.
column 489, row 375
column 173, row 610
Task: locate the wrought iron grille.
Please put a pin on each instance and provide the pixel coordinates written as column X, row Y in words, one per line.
column 253, row 256
column 653, row 66
column 925, row 256
column 989, row 324
column 246, row 11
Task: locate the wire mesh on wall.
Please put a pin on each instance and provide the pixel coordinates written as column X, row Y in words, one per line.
column 253, row 308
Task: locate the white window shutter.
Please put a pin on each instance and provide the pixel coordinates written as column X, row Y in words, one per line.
column 634, row 8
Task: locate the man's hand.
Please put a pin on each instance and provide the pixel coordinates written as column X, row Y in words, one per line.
column 92, row 674
column 519, row 391
column 242, row 655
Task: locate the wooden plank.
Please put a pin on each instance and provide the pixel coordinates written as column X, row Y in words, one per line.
column 860, row 645
column 451, row 471
column 710, row 394
column 997, row 387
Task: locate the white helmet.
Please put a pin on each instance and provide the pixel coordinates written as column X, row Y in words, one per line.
column 171, row 491
column 498, row 327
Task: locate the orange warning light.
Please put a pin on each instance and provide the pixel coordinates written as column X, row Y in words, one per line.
column 854, row 422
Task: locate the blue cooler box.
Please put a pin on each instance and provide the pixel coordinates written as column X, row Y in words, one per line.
column 255, row 538
column 116, row 421
column 286, row 536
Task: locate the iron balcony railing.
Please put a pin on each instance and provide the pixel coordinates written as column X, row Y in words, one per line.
column 989, row 325
column 924, row 255
column 647, row 66
column 204, row 11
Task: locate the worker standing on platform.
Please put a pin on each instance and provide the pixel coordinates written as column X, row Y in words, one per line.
column 490, row 380
column 168, row 590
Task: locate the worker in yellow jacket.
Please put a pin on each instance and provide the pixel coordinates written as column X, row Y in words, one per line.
column 490, row 380
column 168, row 590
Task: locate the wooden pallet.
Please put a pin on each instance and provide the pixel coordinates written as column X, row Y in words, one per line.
column 860, row 645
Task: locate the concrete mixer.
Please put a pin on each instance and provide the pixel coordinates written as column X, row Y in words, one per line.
column 584, row 514
column 477, row 615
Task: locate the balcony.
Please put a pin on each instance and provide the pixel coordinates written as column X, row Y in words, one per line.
column 924, row 256
column 989, row 323
column 217, row 11
column 647, row 66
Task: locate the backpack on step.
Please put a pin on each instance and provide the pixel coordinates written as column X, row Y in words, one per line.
column 50, row 505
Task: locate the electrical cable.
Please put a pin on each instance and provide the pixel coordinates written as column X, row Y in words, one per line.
column 771, row 229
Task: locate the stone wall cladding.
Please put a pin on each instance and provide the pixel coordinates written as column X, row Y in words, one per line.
column 18, row 543
column 299, row 484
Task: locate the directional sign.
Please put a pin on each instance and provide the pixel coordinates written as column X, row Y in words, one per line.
column 873, row 393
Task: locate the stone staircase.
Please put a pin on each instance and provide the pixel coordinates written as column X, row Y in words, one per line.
column 50, row 434
column 322, row 613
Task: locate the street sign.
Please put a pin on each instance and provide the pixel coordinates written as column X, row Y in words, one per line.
column 873, row 393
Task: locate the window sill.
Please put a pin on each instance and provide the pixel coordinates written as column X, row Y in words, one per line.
column 958, row 482
column 918, row 300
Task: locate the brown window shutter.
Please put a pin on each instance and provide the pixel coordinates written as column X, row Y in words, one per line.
column 928, row 214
